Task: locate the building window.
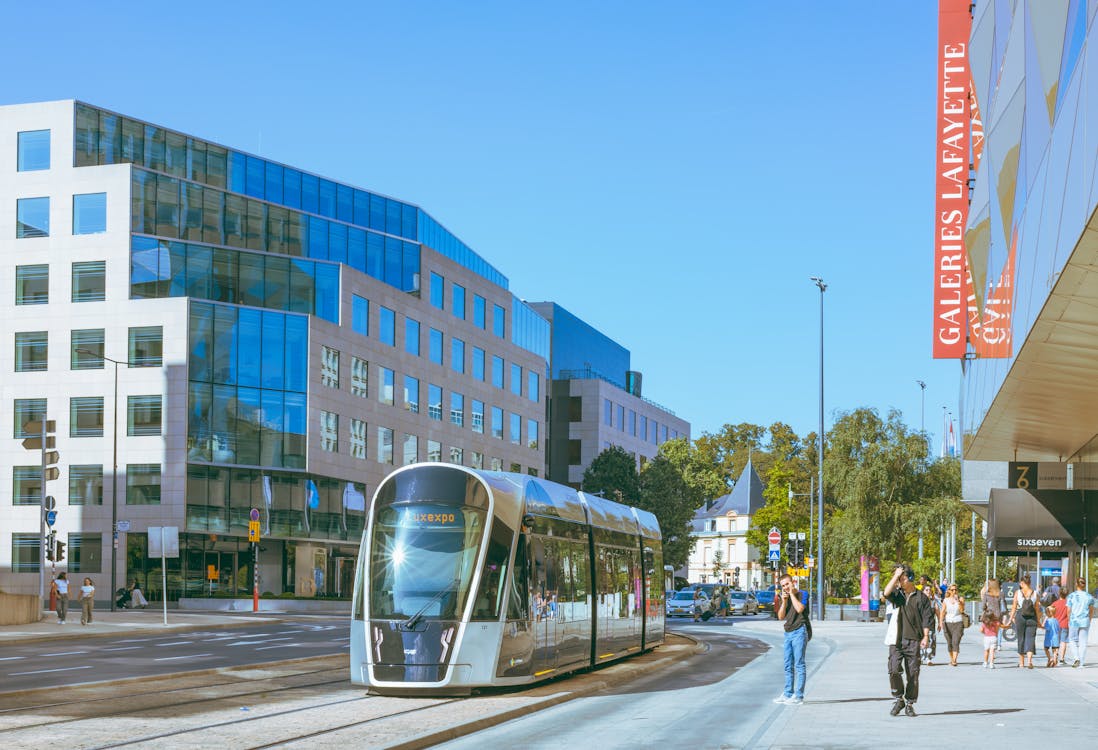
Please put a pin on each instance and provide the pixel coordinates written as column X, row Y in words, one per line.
column 496, row 464
column 434, row 450
column 85, row 553
column 411, row 394
column 607, row 412
column 663, row 433
column 434, row 402
column 457, row 455
column 388, row 385
column 143, row 416
column 143, row 484
column 28, row 410
column 34, row 151
column 632, row 423
column 478, row 312
column 457, row 409
column 89, row 281
column 478, row 363
column 26, row 550
column 497, row 371
column 147, row 346
column 457, row 355
column 499, row 321
column 457, row 301
column 32, row 285
column 358, row 439
column 387, row 327
column 86, row 416
column 516, row 468
column 384, row 445
column 533, row 386
column 575, row 408
column 532, row 434
column 516, row 429
column 86, row 484
column 574, row 452
column 411, row 336
column 26, row 485
column 497, row 423
column 411, row 450
column 89, row 213
column 86, row 349
column 653, row 432
column 31, row 351
column 621, row 418
column 516, row 379
column 360, row 314
column 32, row 217
column 329, row 432
column 476, row 416
column 435, row 346
column 476, row 459
column 329, row 367
column 438, row 289
column 643, row 427
column 360, row 377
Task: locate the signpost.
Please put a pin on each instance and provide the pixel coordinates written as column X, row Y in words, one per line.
column 39, row 438
column 774, row 538
column 164, row 543
column 253, row 537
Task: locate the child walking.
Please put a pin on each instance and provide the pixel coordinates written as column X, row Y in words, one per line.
column 1052, row 637
column 989, row 626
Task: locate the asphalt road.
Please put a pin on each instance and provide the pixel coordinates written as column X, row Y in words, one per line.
column 74, row 660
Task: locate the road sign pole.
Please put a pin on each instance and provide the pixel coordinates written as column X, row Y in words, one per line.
column 42, row 525
column 255, row 576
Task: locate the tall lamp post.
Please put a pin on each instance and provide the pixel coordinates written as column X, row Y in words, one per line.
column 922, row 431
column 114, row 472
column 820, row 454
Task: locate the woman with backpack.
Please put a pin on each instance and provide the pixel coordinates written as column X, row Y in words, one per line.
column 1024, row 615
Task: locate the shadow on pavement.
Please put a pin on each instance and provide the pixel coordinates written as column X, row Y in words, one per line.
column 852, row 700
column 975, row 711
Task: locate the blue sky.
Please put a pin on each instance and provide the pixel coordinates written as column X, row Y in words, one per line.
column 672, row 174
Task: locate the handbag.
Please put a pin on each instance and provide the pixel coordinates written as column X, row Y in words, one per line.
column 966, row 620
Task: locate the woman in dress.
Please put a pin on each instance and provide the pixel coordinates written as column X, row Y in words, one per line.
column 1024, row 615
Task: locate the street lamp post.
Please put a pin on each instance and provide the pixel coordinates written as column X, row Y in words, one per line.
column 820, row 454
column 922, row 431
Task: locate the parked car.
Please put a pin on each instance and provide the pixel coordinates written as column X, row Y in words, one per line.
column 681, row 603
column 743, row 603
column 709, row 589
column 765, row 600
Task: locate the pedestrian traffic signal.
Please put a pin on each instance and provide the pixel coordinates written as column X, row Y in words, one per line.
column 791, row 551
column 50, row 540
column 59, row 553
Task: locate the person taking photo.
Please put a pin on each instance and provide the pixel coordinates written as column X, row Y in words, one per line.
column 915, row 620
column 792, row 610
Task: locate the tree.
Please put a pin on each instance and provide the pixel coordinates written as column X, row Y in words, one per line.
column 665, row 492
column 718, row 563
column 613, row 474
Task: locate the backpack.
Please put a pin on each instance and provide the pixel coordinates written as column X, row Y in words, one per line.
column 1027, row 608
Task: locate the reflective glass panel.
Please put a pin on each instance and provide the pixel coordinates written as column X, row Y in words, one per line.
column 32, row 285
column 387, row 326
column 86, row 484
column 434, row 402
column 411, row 394
column 89, row 281
column 438, row 290
column 87, row 349
column 411, row 336
column 86, row 416
column 479, row 311
column 360, row 314
column 89, row 213
column 435, row 346
column 457, row 302
column 143, row 415
column 31, row 351
column 146, row 346
column 457, row 355
column 34, row 150
column 32, row 217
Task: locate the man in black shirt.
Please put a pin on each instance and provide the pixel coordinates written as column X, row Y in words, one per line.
column 792, row 610
column 915, row 619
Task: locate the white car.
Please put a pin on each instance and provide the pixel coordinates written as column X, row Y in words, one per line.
column 681, row 604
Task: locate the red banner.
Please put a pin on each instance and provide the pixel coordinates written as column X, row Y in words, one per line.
column 952, row 144
column 995, row 339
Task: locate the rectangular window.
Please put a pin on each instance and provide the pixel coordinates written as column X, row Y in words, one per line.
column 499, row 321
column 532, row 434
column 147, row 346
column 608, row 412
column 575, row 408
column 384, row 445
column 32, row 216
column 411, row 336
column 632, row 423
column 497, row 371
column 457, row 355
column 143, row 416
column 457, row 455
column 388, row 384
column 26, row 551
column 387, row 327
column 643, row 427
column 434, row 402
column 516, row 379
column 516, row 429
column 497, row 423
column 34, row 151
column 478, row 363
column 28, row 410
column 32, row 285
column 621, row 418
column 31, row 351
column 438, row 290
column 360, row 377
column 360, row 314
column 495, row 463
column 476, row 416
column 26, row 485
column 329, row 432
column 434, row 450
column 411, row 450
column 329, row 367
column 574, row 447
column 87, row 349
column 89, row 281
column 89, row 213
column 457, row 409
column 143, row 484
column 533, row 386
column 476, row 459
column 358, row 439
column 86, row 416
column 411, row 394
column 457, row 300
column 516, row 468
column 435, row 346
column 653, row 432
column 532, row 471
column 478, row 311
column 86, row 484
column 85, row 553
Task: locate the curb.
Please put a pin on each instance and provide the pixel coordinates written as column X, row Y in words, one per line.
column 142, row 630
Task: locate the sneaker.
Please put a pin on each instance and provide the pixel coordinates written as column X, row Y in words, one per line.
column 794, row 701
column 991, row 665
column 1075, row 664
column 985, row 665
column 897, row 707
column 783, row 699
column 909, row 710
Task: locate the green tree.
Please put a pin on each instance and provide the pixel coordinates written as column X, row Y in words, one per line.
column 718, row 564
column 665, row 492
column 613, row 474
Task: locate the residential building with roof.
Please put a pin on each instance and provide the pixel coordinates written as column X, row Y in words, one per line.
column 720, row 528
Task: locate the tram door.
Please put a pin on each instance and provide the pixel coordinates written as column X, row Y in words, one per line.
column 544, row 606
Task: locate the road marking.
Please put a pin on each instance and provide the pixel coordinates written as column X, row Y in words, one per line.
column 175, row 643
column 11, row 658
column 123, row 648
column 65, row 653
column 280, row 645
column 132, row 640
column 43, row 671
column 188, row 656
column 287, row 632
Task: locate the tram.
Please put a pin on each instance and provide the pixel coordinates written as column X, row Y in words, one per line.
column 470, row 579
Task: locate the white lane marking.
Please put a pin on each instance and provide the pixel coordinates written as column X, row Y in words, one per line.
column 252, row 643
column 287, row 632
column 133, row 640
column 65, row 653
column 123, row 648
column 188, row 656
column 175, row 643
column 281, row 645
column 11, row 658
column 43, row 671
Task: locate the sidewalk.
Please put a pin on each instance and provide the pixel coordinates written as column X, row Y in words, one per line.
column 847, row 701
column 128, row 622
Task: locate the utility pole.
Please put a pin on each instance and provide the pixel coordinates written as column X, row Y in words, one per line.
column 820, row 455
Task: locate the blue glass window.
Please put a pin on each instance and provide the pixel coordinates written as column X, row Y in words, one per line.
column 327, row 291
column 457, row 300
column 394, row 261
column 411, row 336
column 32, row 217
column 337, row 242
column 356, row 249
column 310, row 193
column 532, row 386
column 89, row 213
column 273, row 187
column 516, row 379
column 327, row 199
column 434, row 402
column 361, row 208
column 360, row 314
column 393, row 218
column 516, row 428
column 256, row 178
column 497, row 371
column 478, row 311
column 377, row 213
column 387, row 327
column 478, row 363
column 410, row 222
column 499, row 321
column 345, row 203
column 32, row 285
column 34, row 150
column 291, row 188
column 438, row 291
column 375, row 255
column 318, row 238
column 410, row 261
column 273, row 341
column 457, row 355
column 435, row 346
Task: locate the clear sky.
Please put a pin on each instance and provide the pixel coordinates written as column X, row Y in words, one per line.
column 671, row 173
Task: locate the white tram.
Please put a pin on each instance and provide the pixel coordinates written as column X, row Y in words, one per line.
column 471, row 578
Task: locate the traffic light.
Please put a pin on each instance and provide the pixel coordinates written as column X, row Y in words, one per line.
column 60, row 551
column 49, row 462
column 50, row 541
column 791, row 551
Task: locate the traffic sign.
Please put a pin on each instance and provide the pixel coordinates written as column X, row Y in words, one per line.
column 253, row 531
column 798, row 572
column 775, row 555
column 810, row 562
column 50, row 502
column 254, row 515
column 123, row 526
column 51, row 516
column 774, row 537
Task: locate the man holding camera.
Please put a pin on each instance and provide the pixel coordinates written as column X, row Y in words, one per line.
column 915, row 620
column 792, row 610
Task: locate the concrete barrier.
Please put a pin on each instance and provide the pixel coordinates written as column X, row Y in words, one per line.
column 19, row 609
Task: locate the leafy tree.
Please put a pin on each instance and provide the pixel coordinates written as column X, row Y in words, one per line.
column 665, row 492
column 613, row 474
column 718, row 563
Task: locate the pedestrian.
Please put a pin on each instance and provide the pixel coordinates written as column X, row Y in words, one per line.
column 792, row 610
column 989, row 626
column 1024, row 613
column 930, row 650
column 951, row 619
column 1052, row 637
column 62, row 584
column 915, row 620
column 991, row 596
column 87, row 601
column 1052, row 592
column 1081, row 606
column 136, row 596
column 699, row 600
column 1063, row 616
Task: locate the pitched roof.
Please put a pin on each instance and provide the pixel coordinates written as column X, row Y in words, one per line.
column 745, row 499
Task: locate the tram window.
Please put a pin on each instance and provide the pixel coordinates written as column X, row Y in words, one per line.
column 580, row 573
column 517, row 602
column 486, row 605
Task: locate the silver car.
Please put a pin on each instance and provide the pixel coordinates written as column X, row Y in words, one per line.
column 681, row 604
column 742, row 603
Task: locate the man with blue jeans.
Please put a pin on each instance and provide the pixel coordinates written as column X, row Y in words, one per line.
column 1080, row 607
column 792, row 610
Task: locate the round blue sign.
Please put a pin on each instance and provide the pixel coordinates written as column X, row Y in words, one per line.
column 51, row 516
column 254, row 515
